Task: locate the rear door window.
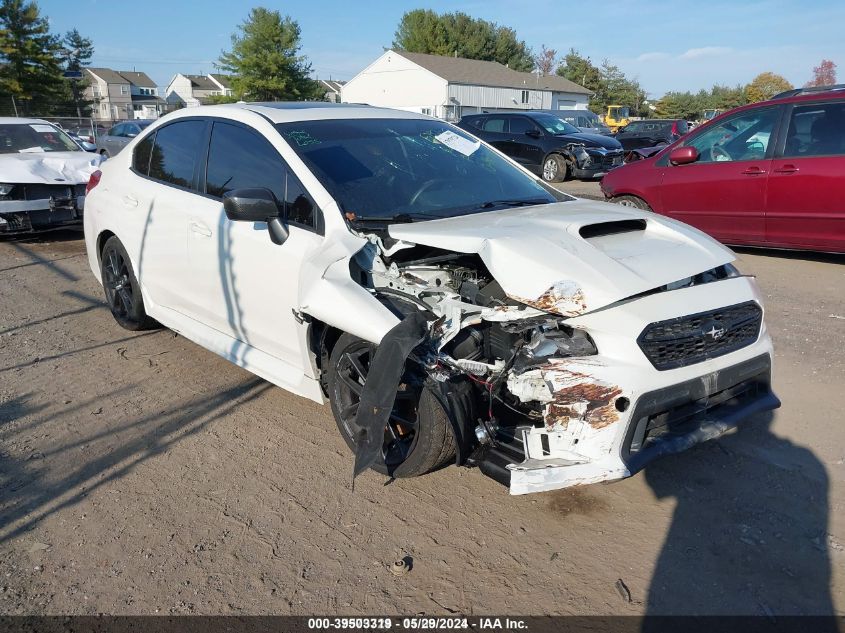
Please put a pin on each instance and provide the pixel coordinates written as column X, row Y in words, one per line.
column 176, row 151
column 816, row 130
column 496, row 124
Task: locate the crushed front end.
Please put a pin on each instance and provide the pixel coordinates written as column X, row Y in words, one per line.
column 658, row 384
column 593, row 162
column 30, row 207
column 561, row 395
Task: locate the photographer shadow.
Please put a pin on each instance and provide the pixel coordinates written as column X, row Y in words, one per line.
column 749, row 533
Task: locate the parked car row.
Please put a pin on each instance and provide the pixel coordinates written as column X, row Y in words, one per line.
column 549, row 341
column 765, row 174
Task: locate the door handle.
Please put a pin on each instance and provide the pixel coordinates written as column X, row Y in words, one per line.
column 786, row 169
column 200, row 229
column 130, row 201
column 754, row 171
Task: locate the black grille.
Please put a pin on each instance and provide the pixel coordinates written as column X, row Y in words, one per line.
column 691, row 339
column 611, row 160
column 38, row 191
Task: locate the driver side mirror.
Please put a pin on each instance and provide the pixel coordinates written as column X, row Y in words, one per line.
column 683, row 155
column 256, row 205
column 533, row 133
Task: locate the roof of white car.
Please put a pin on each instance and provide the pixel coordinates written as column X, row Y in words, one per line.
column 6, row 120
column 293, row 111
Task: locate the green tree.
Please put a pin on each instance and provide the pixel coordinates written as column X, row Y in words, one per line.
column 581, row 70
column 30, row 58
column 765, row 86
column 681, row 105
column 424, row 31
column 265, row 59
column 77, row 51
column 76, row 54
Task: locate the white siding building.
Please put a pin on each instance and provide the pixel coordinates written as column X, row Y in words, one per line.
column 449, row 87
column 194, row 90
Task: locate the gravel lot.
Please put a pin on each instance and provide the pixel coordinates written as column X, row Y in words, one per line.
column 142, row 474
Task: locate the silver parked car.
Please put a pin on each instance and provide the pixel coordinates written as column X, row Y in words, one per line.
column 110, row 143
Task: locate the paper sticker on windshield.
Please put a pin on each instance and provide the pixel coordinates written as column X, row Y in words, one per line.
column 42, row 128
column 458, row 143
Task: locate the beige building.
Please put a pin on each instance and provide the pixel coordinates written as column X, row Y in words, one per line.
column 119, row 95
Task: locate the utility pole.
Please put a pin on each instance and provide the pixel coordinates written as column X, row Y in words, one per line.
column 14, row 105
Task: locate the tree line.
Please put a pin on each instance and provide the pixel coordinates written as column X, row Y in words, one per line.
column 34, row 63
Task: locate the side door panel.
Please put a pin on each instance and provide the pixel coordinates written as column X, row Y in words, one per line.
column 243, row 284
column 165, row 198
column 724, row 192
column 806, row 202
column 526, row 149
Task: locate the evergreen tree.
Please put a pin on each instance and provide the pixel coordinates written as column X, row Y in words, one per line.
column 30, row 58
column 458, row 34
column 265, row 60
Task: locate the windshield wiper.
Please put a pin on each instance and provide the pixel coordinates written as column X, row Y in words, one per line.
column 512, row 203
column 397, row 218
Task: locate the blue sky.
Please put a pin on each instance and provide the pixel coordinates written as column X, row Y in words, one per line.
column 676, row 45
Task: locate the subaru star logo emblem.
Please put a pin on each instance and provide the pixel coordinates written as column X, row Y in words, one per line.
column 714, row 332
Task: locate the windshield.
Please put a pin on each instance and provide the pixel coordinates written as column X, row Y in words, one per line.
column 409, row 169
column 555, row 125
column 34, row 137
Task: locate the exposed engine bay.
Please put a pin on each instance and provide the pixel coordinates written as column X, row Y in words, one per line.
column 540, row 394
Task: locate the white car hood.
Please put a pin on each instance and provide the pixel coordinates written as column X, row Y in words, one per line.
column 48, row 167
column 539, row 257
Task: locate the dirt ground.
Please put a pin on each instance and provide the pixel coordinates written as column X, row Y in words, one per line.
column 141, row 474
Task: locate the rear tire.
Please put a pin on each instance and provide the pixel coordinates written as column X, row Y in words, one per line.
column 123, row 292
column 554, row 169
column 632, row 201
column 421, row 442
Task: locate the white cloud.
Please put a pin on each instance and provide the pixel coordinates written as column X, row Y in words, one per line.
column 652, row 57
column 706, row 51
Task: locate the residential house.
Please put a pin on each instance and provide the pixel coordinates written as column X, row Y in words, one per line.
column 146, row 103
column 121, row 94
column 193, row 90
column 449, row 87
column 332, row 89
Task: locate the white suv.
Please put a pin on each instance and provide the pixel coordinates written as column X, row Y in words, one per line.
column 446, row 302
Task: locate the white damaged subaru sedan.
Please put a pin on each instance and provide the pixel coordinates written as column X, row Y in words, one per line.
column 449, row 305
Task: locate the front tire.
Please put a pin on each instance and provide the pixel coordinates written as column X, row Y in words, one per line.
column 554, row 168
column 123, row 292
column 418, row 437
column 632, row 201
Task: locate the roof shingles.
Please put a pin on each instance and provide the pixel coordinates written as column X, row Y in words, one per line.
column 482, row 73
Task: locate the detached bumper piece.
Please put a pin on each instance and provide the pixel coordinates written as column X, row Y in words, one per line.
column 665, row 421
column 36, row 207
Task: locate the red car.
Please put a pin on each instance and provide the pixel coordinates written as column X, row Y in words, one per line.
column 765, row 174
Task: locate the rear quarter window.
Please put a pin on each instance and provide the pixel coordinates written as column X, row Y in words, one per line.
column 141, row 155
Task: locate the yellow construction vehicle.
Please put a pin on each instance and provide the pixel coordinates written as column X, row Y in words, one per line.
column 617, row 117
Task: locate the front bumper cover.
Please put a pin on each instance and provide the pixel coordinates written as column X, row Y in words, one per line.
column 27, row 216
column 664, row 421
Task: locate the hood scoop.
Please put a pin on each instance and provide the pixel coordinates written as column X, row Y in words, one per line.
column 602, row 229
